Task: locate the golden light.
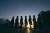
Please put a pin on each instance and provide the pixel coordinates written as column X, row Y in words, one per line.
column 32, row 26
column 28, row 26
column 28, row 30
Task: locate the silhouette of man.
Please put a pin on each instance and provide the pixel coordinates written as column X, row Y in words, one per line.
column 34, row 21
column 30, row 22
column 26, row 21
column 16, row 22
column 12, row 22
column 21, row 21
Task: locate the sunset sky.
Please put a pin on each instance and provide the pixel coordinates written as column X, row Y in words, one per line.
column 9, row 8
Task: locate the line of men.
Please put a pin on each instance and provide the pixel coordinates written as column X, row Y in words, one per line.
column 21, row 21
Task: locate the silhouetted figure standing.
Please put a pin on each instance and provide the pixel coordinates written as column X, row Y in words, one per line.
column 8, row 22
column 26, row 21
column 21, row 22
column 34, row 22
column 16, row 22
column 30, row 22
column 12, row 22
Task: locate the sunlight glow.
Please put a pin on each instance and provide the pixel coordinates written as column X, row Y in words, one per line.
column 32, row 26
column 28, row 30
column 28, row 26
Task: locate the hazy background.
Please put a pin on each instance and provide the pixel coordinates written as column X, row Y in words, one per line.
column 9, row 8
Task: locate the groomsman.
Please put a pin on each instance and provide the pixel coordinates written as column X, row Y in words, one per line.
column 16, row 22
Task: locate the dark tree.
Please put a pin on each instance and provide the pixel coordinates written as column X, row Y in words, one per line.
column 12, row 22
column 44, row 21
column 40, row 19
